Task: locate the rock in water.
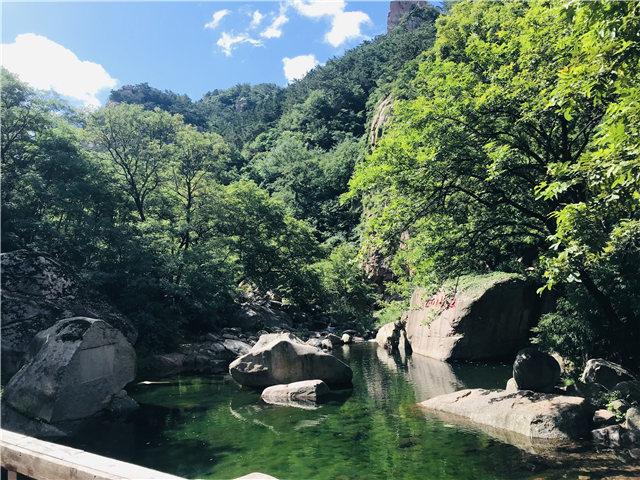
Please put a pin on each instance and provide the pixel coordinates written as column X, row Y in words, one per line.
column 605, row 373
column 478, row 317
column 335, row 340
column 535, row 415
column 390, row 334
column 283, row 358
column 535, row 370
column 308, row 392
column 74, row 369
column 37, row 291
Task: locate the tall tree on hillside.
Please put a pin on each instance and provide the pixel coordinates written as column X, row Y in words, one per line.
column 517, row 151
column 197, row 163
column 137, row 144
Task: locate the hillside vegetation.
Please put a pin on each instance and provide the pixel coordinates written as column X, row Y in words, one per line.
column 513, row 145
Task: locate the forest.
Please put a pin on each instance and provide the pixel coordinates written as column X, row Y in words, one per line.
column 477, row 137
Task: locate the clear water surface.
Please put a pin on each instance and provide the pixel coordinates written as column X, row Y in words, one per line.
column 209, row 427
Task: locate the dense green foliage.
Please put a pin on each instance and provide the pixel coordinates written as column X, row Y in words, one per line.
column 175, row 208
column 513, row 145
column 518, row 151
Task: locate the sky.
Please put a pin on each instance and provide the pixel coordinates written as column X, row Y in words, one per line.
column 82, row 50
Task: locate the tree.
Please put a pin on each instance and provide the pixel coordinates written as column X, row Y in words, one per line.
column 137, row 144
column 197, row 163
column 516, row 151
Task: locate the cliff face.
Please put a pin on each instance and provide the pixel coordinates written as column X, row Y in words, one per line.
column 399, row 8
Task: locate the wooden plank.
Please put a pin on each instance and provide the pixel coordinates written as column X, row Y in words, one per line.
column 42, row 460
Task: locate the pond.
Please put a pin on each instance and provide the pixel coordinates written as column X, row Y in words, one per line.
column 199, row 427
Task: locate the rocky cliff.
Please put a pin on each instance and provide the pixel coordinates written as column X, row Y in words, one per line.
column 398, row 9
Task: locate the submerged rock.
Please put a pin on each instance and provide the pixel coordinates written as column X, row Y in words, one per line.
column 534, row 415
column 479, row 317
column 37, row 291
column 75, row 368
column 535, row 370
column 284, row 358
column 605, row 373
column 304, row 393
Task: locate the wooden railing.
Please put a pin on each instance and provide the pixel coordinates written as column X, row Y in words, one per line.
column 42, row 460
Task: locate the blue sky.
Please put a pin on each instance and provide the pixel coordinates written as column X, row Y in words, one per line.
column 83, row 49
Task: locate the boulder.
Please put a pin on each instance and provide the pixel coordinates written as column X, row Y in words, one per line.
column 122, row 404
column 632, row 421
column 629, row 391
column 346, row 339
column 612, row 436
column 284, row 358
column 605, row 373
column 37, row 291
column 326, row 344
column 535, row 370
column 479, row 317
column 314, row 342
column 14, row 421
column 236, row 347
column 390, row 334
column 534, row 415
column 163, row 365
column 602, row 418
column 74, row 369
column 335, row 340
column 512, row 386
column 307, row 392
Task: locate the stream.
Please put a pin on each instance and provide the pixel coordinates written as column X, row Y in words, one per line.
column 209, row 427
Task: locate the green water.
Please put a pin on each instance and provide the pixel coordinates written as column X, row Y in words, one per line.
column 212, row 428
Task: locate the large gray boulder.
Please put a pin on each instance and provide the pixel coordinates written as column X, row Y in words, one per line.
column 535, row 370
column 283, row 358
column 37, row 291
column 74, row 369
column 534, row 415
column 605, row 373
column 479, row 317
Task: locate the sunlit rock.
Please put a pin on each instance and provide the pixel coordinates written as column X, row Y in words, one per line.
column 74, row 369
column 474, row 318
column 284, row 358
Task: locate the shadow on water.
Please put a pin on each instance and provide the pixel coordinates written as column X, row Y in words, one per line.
column 211, row 428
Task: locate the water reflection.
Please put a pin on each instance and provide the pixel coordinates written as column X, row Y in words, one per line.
column 431, row 377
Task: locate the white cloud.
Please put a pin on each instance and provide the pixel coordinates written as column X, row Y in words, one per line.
column 256, row 19
column 275, row 29
column 47, row 65
column 344, row 25
column 227, row 42
column 216, row 18
column 319, row 8
column 297, row 67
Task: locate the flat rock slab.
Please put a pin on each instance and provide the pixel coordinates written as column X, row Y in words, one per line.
column 307, row 393
column 534, row 415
